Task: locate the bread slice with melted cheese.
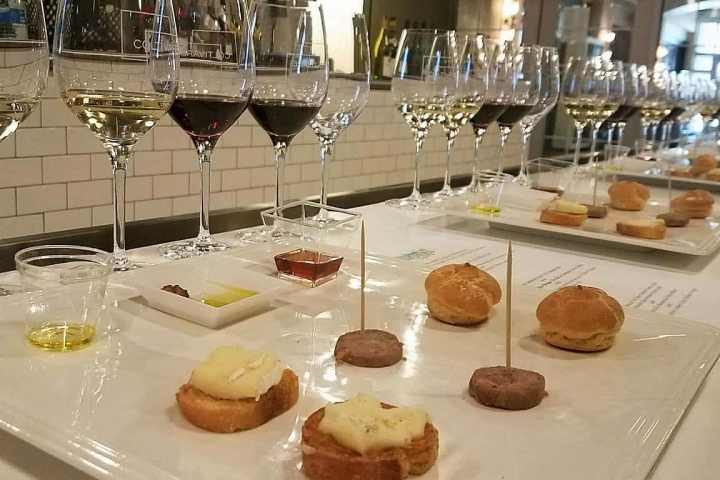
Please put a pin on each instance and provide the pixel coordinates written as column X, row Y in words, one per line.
column 325, row 459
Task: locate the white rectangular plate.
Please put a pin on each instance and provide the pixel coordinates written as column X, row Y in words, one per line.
column 648, row 172
column 700, row 237
column 207, row 275
column 110, row 409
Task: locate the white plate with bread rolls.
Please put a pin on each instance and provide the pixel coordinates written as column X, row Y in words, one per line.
column 630, row 220
column 683, row 177
column 111, row 409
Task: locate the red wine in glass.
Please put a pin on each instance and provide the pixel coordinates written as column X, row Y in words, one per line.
column 205, row 117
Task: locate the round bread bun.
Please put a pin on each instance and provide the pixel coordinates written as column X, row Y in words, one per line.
column 694, row 203
column 325, row 459
column 703, row 163
column 626, row 195
column 227, row 416
column 561, row 218
column 580, row 318
column 461, row 294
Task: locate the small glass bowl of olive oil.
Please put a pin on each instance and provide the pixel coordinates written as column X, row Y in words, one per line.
column 65, row 287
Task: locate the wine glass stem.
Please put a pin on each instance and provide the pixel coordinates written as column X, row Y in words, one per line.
column 578, row 140
column 504, row 134
column 204, row 156
column 621, row 133
column 119, row 158
column 653, row 133
column 593, row 144
column 475, row 182
column 448, row 163
column 419, row 140
column 280, row 149
column 526, row 134
column 326, row 153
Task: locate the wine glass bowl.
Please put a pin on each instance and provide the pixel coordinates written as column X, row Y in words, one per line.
column 218, row 75
column 23, row 75
column 119, row 86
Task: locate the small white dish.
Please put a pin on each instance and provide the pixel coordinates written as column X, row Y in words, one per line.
column 208, row 275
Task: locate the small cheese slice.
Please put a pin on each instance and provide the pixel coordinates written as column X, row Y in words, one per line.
column 566, row 206
column 362, row 424
column 233, row 373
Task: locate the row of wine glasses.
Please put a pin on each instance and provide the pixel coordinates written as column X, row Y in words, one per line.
column 445, row 78
column 205, row 63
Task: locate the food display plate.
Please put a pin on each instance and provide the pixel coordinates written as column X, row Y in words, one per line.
column 206, row 276
column 700, row 237
column 646, row 172
column 110, row 410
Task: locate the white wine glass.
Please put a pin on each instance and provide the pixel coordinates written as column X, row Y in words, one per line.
column 580, row 95
column 611, row 86
column 467, row 86
column 549, row 92
column 217, row 79
column 347, row 92
column 23, row 75
column 423, row 57
column 119, row 84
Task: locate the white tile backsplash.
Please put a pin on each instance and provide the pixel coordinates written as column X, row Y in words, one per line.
column 55, row 174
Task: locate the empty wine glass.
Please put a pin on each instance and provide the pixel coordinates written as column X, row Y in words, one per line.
column 655, row 104
column 348, row 93
column 632, row 101
column 23, row 75
column 549, row 92
column 291, row 81
column 117, row 69
column 423, row 58
column 218, row 74
column 525, row 76
column 467, row 85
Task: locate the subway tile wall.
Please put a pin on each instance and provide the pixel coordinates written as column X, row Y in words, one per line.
column 54, row 174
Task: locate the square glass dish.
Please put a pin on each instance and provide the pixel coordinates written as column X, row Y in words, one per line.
column 315, row 235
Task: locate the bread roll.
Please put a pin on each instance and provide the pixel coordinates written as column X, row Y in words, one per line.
column 652, row 229
column 703, row 163
column 580, row 318
column 461, row 294
column 626, row 195
column 695, row 203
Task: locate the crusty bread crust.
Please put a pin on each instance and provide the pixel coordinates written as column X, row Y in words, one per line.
column 461, row 294
column 562, row 218
column 580, row 318
column 325, row 459
column 694, row 203
column 654, row 232
column 703, row 163
column 226, row 416
column 627, row 195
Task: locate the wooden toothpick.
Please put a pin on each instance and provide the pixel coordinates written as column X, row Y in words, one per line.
column 362, row 276
column 508, row 307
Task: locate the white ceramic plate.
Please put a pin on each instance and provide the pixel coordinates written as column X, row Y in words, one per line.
column 208, row 275
column 646, row 171
column 700, row 237
column 110, row 410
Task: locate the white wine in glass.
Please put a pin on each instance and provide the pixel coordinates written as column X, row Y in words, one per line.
column 118, row 83
column 23, row 75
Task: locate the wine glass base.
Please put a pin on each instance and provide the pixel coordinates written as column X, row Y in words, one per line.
column 446, row 192
column 264, row 234
column 192, row 248
column 409, row 203
column 8, row 289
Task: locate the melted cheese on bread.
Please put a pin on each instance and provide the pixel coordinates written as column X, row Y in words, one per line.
column 362, row 424
column 566, row 206
column 233, row 373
